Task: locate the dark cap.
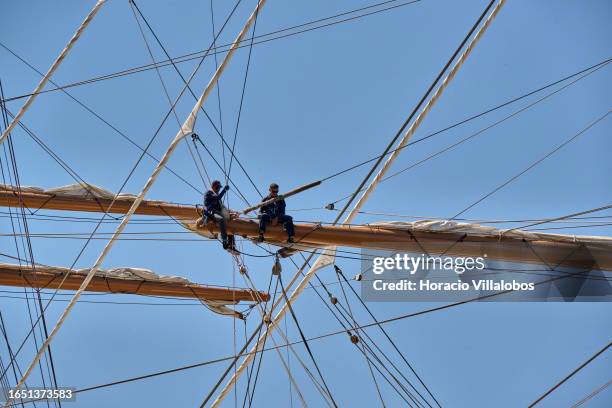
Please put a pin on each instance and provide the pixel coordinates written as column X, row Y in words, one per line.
column 273, row 186
column 216, row 183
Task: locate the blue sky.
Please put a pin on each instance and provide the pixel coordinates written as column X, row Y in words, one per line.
column 316, row 103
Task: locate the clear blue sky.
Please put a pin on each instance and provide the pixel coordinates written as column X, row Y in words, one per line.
column 316, row 103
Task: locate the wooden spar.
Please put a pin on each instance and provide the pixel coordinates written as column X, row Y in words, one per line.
column 506, row 248
column 282, row 196
column 510, row 249
column 49, row 278
column 47, row 201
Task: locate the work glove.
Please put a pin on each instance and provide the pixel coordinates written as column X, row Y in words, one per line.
column 226, row 187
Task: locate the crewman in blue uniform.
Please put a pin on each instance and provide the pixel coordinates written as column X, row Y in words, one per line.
column 275, row 213
column 213, row 209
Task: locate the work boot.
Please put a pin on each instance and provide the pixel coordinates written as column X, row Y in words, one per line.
column 290, row 240
column 260, row 238
column 225, row 244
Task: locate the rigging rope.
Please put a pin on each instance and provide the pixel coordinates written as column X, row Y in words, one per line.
column 532, row 165
column 591, row 395
column 588, row 71
column 391, row 158
column 212, row 23
column 244, row 83
column 195, row 138
column 218, row 49
column 217, row 130
column 185, row 130
column 99, row 117
column 131, row 172
column 52, row 69
column 323, row 336
column 297, row 324
column 71, row 172
column 135, row 8
column 27, row 243
column 263, row 314
column 479, row 132
column 464, row 140
column 564, row 217
column 570, row 375
column 13, row 363
column 311, row 286
column 340, row 274
column 337, row 306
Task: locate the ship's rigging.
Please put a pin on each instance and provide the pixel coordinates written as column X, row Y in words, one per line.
column 317, row 243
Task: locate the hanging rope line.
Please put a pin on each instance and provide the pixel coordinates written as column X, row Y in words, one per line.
column 69, row 170
column 223, row 48
column 195, row 139
column 239, row 263
column 350, row 312
column 127, row 178
column 212, row 24
column 100, row 118
column 244, row 84
column 342, row 324
column 250, row 390
column 570, row 375
column 338, row 306
column 496, row 123
column 444, row 82
column 387, row 336
column 51, row 70
column 263, row 312
column 352, row 316
column 591, row 395
column 303, row 337
column 193, row 94
column 564, row 217
column 345, row 313
column 532, row 165
column 134, row 8
column 28, row 250
column 185, row 130
column 39, row 216
column 322, row 336
column 263, row 315
column 588, row 71
column 161, row 45
column 15, row 366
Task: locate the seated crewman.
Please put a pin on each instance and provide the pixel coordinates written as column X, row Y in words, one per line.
column 275, row 212
column 213, row 209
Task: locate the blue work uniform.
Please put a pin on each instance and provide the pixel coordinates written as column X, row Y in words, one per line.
column 213, row 211
column 275, row 210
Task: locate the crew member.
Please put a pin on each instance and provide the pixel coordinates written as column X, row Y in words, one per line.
column 275, row 213
column 213, row 209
